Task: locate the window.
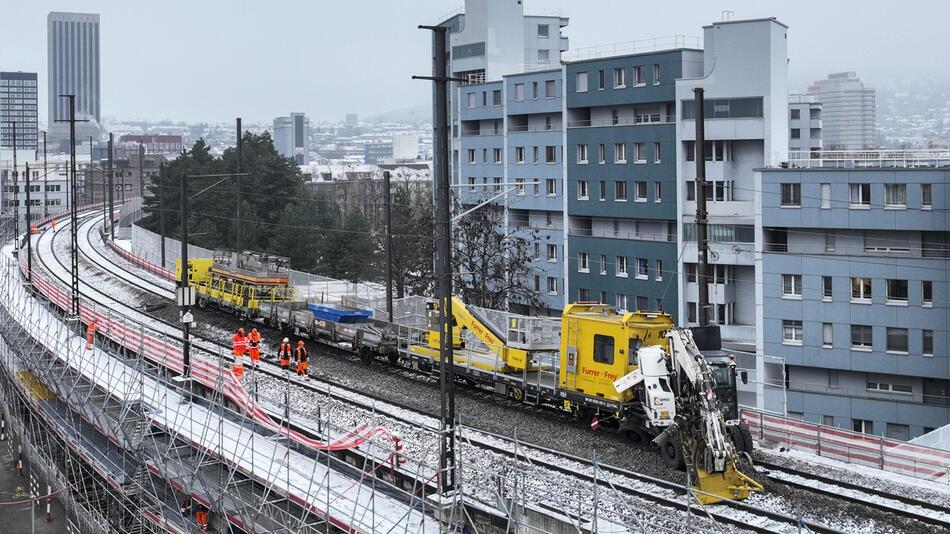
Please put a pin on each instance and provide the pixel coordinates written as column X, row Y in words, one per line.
column 690, row 190
column 519, row 186
column 897, row 340
column 620, row 192
column 543, row 30
column 615, row 117
column 550, row 89
column 484, row 155
column 896, row 431
column 690, row 272
column 825, row 196
column 927, row 337
column 860, row 288
column 537, row 255
column 496, row 97
column 583, row 294
column 620, row 153
column 862, row 337
column 603, row 269
column 690, row 312
column 791, row 332
column 582, row 153
column 602, row 154
column 656, row 153
column 581, row 82
column 471, row 155
column 550, row 154
column 826, row 288
column 496, row 154
column 643, row 268
column 792, row 286
column 659, row 270
column 827, row 335
column 659, row 304
column 622, row 301
column 832, row 378
column 896, row 292
column 895, row 196
column 726, row 108
column 603, row 349
column 583, row 262
column 656, row 74
column 497, row 182
column 603, row 190
column 926, row 197
column 519, row 92
column 620, row 79
column 537, row 188
column 657, row 192
column 582, row 190
column 536, row 156
column 534, row 90
column 552, row 285
column 863, row 426
column 796, row 133
column 795, row 114
column 926, row 293
column 622, row 266
column 601, row 80
column 519, row 154
column 828, row 420
column 859, row 195
column 640, row 191
column 471, row 183
column 551, row 185
column 471, row 100
column 791, row 195
column 638, row 76
column 643, row 303
column 640, row 152
column 552, row 252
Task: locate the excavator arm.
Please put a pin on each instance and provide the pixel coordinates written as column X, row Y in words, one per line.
column 469, row 319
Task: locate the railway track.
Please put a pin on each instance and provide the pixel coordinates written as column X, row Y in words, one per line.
column 610, row 478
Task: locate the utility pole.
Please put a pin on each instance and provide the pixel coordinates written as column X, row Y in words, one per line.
column 16, row 192
column 111, row 189
column 702, row 267
column 29, row 230
column 45, row 180
column 388, row 221
column 141, row 171
column 184, row 291
column 161, row 211
column 443, row 255
column 240, row 197
column 73, row 219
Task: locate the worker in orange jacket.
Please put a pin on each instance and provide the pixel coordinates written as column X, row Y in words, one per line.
column 284, row 353
column 53, row 223
column 201, row 517
column 90, row 334
column 239, row 343
column 301, row 355
column 254, row 346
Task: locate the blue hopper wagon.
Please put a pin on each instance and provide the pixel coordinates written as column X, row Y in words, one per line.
column 337, row 315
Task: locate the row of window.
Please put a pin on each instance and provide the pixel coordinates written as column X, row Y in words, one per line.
column 622, row 301
column 619, row 80
column 17, row 83
column 859, row 196
column 723, row 314
column 621, row 266
column 620, row 191
column 895, row 290
column 640, row 153
column 550, row 154
column 33, row 202
column 33, row 188
column 862, row 337
column 549, row 88
column 496, row 156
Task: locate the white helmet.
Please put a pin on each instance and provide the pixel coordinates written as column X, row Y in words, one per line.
column 286, row 340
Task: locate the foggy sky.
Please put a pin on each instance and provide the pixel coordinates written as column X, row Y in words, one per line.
column 212, row 60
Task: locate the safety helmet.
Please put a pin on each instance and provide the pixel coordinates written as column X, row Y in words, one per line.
column 241, row 330
column 254, row 330
column 286, row 340
column 300, row 343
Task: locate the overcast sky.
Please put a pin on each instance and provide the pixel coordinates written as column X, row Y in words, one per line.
column 212, row 60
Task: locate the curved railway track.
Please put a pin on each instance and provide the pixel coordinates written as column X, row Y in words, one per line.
column 556, row 461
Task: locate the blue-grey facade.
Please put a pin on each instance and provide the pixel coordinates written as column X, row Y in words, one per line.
column 855, row 295
column 621, row 179
column 18, row 104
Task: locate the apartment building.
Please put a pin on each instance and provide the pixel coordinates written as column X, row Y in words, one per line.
column 804, row 125
column 855, row 290
column 850, row 111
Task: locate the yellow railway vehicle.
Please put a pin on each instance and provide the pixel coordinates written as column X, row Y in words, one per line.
column 239, row 281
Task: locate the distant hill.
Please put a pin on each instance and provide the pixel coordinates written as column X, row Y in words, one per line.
column 419, row 114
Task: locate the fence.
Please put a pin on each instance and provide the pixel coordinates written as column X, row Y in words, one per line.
column 853, row 447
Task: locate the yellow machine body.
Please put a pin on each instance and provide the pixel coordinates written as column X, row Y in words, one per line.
column 599, row 345
column 729, row 485
column 236, row 291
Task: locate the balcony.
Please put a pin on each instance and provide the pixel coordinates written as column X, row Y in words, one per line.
column 860, row 159
column 639, row 120
column 738, row 333
column 638, row 236
column 533, row 129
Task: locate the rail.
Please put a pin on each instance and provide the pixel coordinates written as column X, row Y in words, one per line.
column 880, row 452
column 638, row 120
column 860, row 159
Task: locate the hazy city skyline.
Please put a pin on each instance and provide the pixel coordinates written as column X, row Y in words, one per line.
column 210, row 62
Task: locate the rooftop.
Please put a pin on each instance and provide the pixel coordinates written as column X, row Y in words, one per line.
column 640, row 46
column 861, row 159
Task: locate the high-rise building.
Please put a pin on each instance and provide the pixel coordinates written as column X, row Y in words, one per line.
column 18, row 104
column 855, row 289
column 73, row 68
column 849, row 112
column 292, row 137
column 804, row 125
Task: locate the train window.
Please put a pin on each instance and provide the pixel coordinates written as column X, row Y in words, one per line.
column 664, row 385
column 632, row 349
column 603, row 349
